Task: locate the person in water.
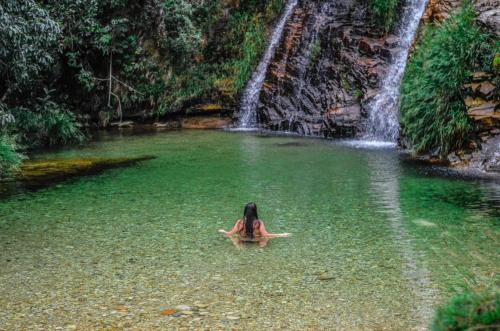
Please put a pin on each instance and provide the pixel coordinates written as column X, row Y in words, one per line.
column 250, row 228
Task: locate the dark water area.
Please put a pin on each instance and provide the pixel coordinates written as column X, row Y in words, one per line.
column 377, row 241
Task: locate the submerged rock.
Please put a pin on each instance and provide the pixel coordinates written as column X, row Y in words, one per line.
column 183, row 308
column 168, row 312
column 325, row 276
column 49, row 170
column 424, row 223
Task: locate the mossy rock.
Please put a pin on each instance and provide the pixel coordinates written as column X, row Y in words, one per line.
column 60, row 169
column 209, row 107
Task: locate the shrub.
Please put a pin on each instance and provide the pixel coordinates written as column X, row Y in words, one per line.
column 385, row 12
column 469, row 311
column 433, row 114
column 45, row 124
column 9, row 158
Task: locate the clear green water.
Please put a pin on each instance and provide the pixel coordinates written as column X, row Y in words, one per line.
column 112, row 251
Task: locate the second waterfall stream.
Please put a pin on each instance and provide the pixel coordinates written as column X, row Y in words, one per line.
column 250, row 98
column 383, row 121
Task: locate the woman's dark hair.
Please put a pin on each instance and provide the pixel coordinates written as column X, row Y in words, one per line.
column 249, row 216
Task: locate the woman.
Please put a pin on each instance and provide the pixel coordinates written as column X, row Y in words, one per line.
column 250, row 228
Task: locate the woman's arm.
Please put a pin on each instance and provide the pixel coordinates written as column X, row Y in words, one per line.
column 236, row 228
column 266, row 234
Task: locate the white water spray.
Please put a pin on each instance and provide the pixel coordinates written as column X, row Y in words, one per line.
column 383, row 121
column 250, row 98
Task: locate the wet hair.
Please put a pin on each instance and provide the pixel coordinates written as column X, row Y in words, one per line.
column 249, row 216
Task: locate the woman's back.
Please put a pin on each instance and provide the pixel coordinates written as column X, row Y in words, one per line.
column 249, row 235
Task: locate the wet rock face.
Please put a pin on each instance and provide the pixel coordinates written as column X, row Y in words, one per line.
column 328, row 66
column 439, row 10
column 482, row 100
column 488, row 15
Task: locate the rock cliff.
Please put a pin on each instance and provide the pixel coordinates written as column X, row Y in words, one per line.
column 326, row 69
column 481, row 95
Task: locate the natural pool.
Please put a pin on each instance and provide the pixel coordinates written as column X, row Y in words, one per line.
column 376, row 244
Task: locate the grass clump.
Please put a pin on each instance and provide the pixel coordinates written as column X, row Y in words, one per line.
column 469, row 311
column 433, row 113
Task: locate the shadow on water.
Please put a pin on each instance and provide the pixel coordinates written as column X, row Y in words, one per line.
column 37, row 175
column 291, row 144
column 471, row 190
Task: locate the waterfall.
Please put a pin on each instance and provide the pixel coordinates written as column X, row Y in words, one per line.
column 383, row 121
column 250, row 98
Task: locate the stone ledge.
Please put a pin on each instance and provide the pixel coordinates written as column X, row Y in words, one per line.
column 205, row 122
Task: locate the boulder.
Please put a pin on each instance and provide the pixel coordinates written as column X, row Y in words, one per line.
column 342, row 121
column 205, row 122
column 389, row 53
column 369, row 46
column 167, row 125
column 122, row 124
column 453, row 159
column 471, row 102
column 486, row 90
column 391, row 41
column 480, row 76
column 488, row 15
column 487, row 115
column 486, row 109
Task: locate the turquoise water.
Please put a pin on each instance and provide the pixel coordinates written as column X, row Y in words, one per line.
column 377, row 242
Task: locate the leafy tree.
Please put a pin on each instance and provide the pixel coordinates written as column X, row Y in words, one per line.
column 183, row 38
column 28, row 42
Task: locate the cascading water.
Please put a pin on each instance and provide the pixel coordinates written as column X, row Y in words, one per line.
column 250, row 98
column 383, row 123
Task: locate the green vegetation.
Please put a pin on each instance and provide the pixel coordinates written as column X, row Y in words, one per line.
column 69, row 59
column 433, row 113
column 385, row 13
column 9, row 159
column 469, row 311
column 315, row 51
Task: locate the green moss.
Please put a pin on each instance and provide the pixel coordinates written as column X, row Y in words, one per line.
column 385, row 13
column 433, row 114
column 358, row 94
column 60, row 169
column 315, row 51
column 469, row 311
column 496, row 61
